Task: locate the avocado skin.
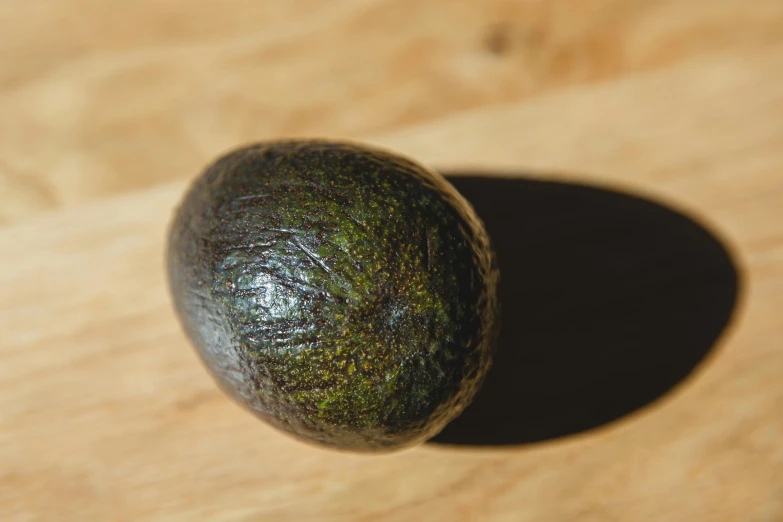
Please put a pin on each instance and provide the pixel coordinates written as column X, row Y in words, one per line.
column 343, row 294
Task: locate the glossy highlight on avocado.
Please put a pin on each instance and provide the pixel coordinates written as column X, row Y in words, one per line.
column 343, row 294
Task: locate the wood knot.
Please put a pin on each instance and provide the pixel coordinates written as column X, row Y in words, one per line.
column 497, row 40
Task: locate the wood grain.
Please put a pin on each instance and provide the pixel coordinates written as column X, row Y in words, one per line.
column 98, row 100
column 106, row 414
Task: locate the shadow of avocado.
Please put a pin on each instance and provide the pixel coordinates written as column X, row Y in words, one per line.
column 608, row 302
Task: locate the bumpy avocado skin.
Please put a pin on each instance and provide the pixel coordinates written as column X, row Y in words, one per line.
column 343, row 294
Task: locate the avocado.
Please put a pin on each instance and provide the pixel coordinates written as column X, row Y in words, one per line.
column 344, row 294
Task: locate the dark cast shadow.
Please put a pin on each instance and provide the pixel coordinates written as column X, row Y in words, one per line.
column 608, row 302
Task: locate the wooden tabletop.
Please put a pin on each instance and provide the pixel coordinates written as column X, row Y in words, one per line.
column 655, row 126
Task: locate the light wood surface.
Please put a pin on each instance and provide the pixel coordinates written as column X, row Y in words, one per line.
column 108, row 109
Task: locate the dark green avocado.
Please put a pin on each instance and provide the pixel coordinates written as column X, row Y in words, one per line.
column 343, row 294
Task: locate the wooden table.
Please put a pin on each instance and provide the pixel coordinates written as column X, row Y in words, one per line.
column 107, row 109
